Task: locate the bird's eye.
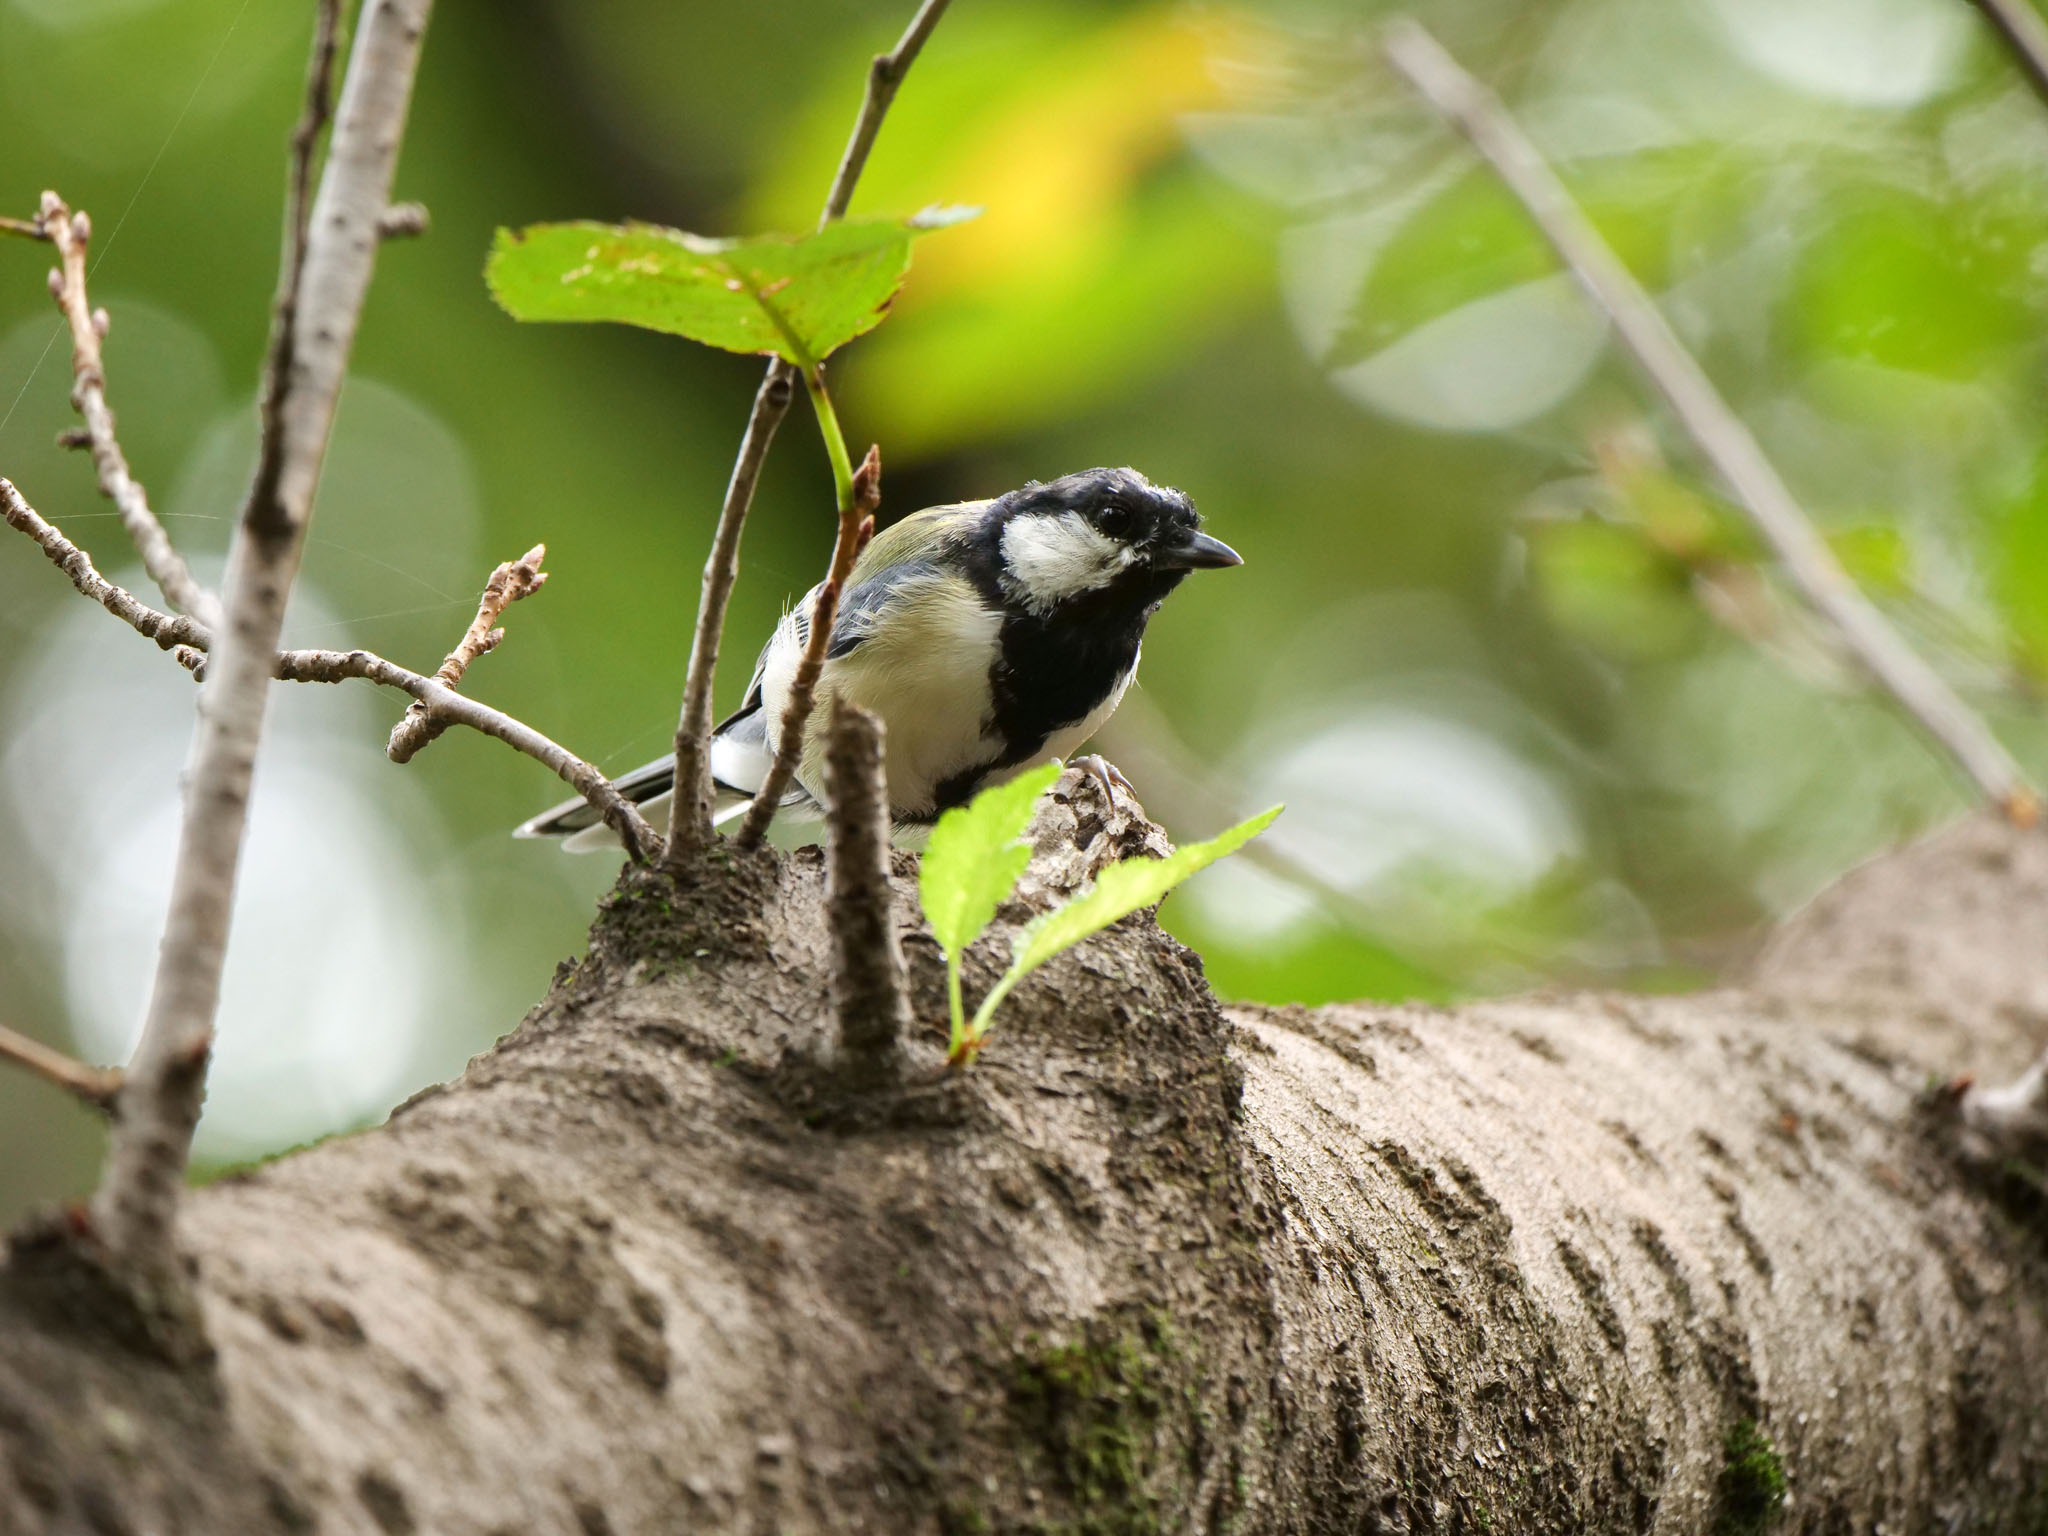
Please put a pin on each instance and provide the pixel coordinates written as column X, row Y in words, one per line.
column 1114, row 520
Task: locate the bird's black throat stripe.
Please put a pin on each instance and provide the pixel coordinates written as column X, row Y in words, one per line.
column 1055, row 667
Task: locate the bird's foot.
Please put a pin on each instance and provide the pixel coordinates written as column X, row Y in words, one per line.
column 1105, row 773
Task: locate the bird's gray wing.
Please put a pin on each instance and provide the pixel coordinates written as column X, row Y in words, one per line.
column 892, row 562
column 869, row 602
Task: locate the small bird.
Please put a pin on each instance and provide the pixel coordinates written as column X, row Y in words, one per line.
column 989, row 636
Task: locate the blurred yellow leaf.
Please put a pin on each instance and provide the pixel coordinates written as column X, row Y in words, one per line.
column 1103, row 249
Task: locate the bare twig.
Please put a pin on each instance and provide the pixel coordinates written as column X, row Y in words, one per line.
column 266, row 503
column 168, row 630
column 2025, row 34
column 508, row 584
column 689, row 817
column 689, row 827
column 1714, row 428
column 97, row 1086
column 869, row 991
column 187, row 640
column 856, row 525
column 70, row 233
column 443, row 703
column 885, row 78
column 325, row 278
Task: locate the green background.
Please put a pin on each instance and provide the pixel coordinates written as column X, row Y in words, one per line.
column 1539, row 714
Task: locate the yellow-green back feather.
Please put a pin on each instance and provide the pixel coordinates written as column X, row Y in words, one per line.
column 912, row 538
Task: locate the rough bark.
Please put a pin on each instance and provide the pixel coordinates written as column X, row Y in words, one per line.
column 1563, row 1263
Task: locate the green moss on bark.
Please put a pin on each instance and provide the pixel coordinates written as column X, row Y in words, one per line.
column 1095, row 1407
column 1752, row 1486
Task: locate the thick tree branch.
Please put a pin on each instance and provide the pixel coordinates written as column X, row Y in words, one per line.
column 689, row 827
column 187, row 640
column 869, row 992
column 2025, row 34
column 96, row 1086
column 856, row 524
column 508, row 584
column 1527, row 1265
column 71, row 233
column 325, row 279
column 1715, row 429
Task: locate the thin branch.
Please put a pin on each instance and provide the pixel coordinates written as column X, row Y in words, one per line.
column 443, row 703
column 328, row 261
column 869, row 991
column 187, row 640
column 885, row 78
column 2025, row 34
column 508, row 584
column 1714, row 428
column 264, row 502
column 168, row 630
column 689, row 817
column 689, row 828
column 856, row 525
column 70, row 233
column 96, row 1086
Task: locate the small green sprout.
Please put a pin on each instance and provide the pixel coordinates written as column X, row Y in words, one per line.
column 975, row 857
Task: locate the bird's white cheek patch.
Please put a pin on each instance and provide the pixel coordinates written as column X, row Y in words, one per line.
column 1048, row 559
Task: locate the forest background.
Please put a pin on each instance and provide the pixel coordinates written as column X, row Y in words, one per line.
column 1539, row 713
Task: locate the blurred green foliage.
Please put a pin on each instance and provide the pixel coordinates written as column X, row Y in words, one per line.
column 1539, row 710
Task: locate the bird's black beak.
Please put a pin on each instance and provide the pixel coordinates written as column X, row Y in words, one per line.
column 1196, row 552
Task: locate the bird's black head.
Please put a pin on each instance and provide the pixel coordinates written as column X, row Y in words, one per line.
column 1099, row 535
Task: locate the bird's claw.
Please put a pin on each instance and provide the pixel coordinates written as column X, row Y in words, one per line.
column 1105, row 773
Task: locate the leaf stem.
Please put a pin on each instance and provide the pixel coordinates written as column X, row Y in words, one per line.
column 966, row 1046
column 835, row 440
column 959, row 1008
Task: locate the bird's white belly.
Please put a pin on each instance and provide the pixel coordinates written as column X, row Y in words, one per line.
column 926, row 674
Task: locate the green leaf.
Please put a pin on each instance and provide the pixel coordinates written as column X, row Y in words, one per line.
column 2022, row 572
column 1924, row 285
column 1610, row 586
column 1472, row 240
column 1121, row 890
column 975, row 856
column 799, row 297
column 1876, row 556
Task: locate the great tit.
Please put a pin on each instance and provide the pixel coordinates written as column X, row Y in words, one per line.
column 989, row 636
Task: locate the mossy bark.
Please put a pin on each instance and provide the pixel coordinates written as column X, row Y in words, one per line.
column 1570, row 1263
